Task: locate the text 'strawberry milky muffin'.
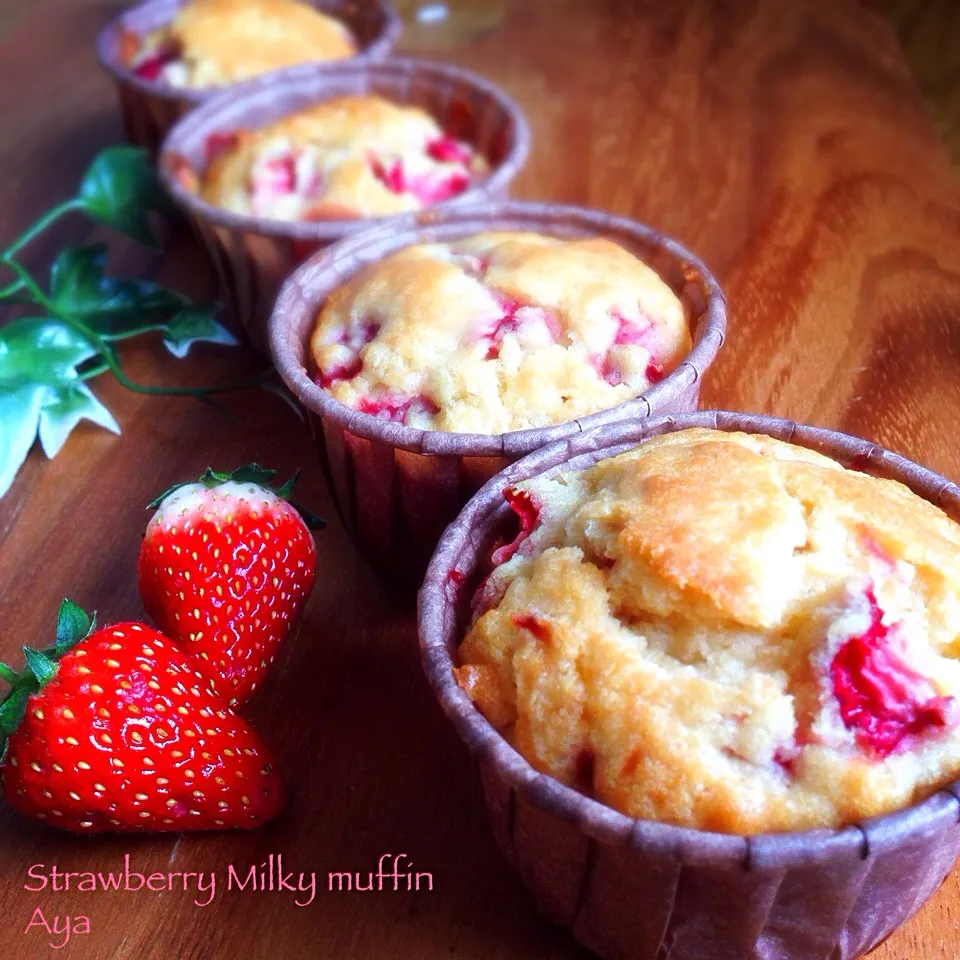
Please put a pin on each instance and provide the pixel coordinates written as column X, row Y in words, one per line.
column 498, row 332
column 726, row 632
column 354, row 156
column 211, row 43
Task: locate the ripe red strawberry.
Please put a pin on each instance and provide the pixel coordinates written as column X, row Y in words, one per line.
column 225, row 568
column 115, row 730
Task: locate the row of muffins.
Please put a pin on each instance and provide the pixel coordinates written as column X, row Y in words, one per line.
column 354, row 156
column 714, row 631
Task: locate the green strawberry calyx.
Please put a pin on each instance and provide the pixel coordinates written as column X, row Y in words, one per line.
column 73, row 626
column 250, row 473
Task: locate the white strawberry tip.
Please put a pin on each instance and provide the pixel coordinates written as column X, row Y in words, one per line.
column 245, row 482
column 197, row 498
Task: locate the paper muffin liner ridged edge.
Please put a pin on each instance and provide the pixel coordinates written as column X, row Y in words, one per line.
column 633, row 889
column 397, row 487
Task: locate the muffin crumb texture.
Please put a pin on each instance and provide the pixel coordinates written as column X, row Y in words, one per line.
column 726, row 632
column 355, row 156
column 498, row 332
column 211, row 43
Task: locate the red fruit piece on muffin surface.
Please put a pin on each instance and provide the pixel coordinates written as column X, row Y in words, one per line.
column 745, row 635
column 499, row 332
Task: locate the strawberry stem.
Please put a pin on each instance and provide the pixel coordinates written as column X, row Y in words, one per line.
column 249, row 473
column 73, row 626
column 42, row 667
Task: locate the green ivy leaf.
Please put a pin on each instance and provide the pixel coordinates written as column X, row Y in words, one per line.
column 195, row 323
column 19, row 418
column 117, row 309
column 39, row 350
column 119, row 188
column 71, row 404
column 45, row 362
column 114, row 308
column 41, row 391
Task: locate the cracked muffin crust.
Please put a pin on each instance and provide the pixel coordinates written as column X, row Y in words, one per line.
column 211, row 43
column 726, row 632
column 498, row 332
column 354, row 156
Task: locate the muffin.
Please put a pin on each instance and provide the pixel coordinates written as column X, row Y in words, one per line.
column 639, row 888
column 353, row 156
column 726, row 632
column 325, row 148
column 212, row 43
column 167, row 56
column 434, row 350
column 498, row 331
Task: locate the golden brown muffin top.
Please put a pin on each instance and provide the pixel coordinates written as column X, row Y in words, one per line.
column 497, row 332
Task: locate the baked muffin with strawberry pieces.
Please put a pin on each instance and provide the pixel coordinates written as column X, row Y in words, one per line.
column 353, row 156
column 212, row 43
column 498, row 332
column 726, row 632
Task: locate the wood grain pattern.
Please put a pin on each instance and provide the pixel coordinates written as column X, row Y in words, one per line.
column 783, row 140
column 929, row 32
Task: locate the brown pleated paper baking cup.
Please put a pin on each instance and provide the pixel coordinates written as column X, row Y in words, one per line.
column 397, row 487
column 253, row 255
column 149, row 108
column 640, row 890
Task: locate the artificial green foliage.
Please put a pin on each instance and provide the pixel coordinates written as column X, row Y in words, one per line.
column 120, row 189
column 67, row 336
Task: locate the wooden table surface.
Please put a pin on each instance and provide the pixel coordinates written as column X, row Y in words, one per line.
column 783, row 140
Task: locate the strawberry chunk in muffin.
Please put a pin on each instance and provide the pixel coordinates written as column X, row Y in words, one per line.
column 881, row 698
column 500, row 331
column 159, row 64
column 359, row 156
